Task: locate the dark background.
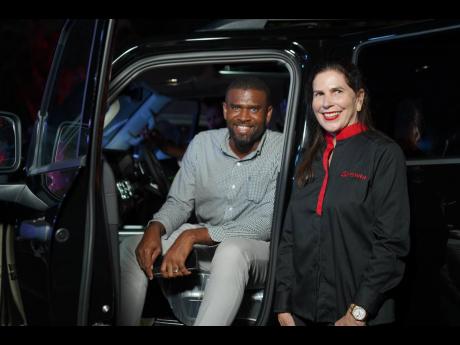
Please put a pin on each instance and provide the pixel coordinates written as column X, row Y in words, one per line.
column 27, row 47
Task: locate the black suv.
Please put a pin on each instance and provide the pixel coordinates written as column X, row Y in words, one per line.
column 95, row 175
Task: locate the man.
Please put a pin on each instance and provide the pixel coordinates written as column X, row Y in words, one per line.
column 228, row 177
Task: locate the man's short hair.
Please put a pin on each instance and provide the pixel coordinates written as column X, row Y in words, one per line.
column 245, row 83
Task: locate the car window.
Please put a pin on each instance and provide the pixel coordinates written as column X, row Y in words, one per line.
column 179, row 102
column 65, row 131
column 161, row 110
column 413, row 84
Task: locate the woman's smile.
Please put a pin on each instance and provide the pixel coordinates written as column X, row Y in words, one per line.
column 331, row 116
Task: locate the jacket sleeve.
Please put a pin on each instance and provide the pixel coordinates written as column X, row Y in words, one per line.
column 284, row 267
column 386, row 266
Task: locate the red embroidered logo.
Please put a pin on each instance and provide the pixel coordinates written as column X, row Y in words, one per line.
column 359, row 176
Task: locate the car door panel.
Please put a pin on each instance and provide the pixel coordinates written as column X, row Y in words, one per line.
column 61, row 164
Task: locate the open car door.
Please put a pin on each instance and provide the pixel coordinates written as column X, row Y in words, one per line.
column 58, row 238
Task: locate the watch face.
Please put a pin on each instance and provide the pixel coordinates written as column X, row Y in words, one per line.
column 358, row 313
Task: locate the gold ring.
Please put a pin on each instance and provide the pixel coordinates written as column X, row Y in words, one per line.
column 176, row 270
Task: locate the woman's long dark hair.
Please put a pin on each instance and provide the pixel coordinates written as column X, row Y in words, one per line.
column 316, row 140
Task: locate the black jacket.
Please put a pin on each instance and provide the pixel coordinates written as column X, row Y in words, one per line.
column 346, row 232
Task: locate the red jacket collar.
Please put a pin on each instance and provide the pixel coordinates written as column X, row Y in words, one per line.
column 347, row 132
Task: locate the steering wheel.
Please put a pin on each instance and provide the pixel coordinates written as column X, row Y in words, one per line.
column 155, row 170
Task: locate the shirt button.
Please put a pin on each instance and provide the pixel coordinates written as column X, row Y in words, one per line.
column 233, row 187
column 230, row 209
column 238, row 164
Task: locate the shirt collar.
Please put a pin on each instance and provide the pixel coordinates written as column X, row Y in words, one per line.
column 225, row 146
column 347, row 132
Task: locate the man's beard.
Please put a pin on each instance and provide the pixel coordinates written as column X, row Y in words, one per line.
column 245, row 143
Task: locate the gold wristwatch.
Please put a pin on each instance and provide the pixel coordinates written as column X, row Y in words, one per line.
column 358, row 313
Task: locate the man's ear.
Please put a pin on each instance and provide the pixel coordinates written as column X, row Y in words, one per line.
column 224, row 108
column 269, row 114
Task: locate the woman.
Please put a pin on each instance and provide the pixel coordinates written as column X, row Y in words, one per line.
column 346, row 230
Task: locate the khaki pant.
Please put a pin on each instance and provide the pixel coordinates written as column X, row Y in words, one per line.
column 234, row 265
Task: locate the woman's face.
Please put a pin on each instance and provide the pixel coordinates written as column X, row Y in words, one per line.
column 335, row 104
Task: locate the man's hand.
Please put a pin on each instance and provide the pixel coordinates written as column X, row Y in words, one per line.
column 149, row 248
column 286, row 319
column 349, row 320
column 174, row 261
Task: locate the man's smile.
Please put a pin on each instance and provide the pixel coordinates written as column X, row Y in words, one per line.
column 242, row 129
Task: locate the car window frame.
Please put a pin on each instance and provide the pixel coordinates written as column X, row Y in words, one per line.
column 34, row 165
column 295, row 65
column 392, row 37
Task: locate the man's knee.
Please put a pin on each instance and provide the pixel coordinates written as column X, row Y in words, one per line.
column 235, row 251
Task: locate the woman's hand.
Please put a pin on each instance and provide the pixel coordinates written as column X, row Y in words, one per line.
column 349, row 320
column 286, row 319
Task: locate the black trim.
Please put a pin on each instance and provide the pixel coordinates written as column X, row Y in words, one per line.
column 95, row 171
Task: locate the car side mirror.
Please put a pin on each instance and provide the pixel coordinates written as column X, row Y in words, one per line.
column 10, row 142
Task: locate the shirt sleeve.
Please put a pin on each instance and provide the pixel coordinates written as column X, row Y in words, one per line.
column 386, row 266
column 180, row 202
column 284, row 267
column 256, row 226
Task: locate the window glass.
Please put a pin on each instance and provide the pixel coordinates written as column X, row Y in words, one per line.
column 413, row 84
column 65, row 130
